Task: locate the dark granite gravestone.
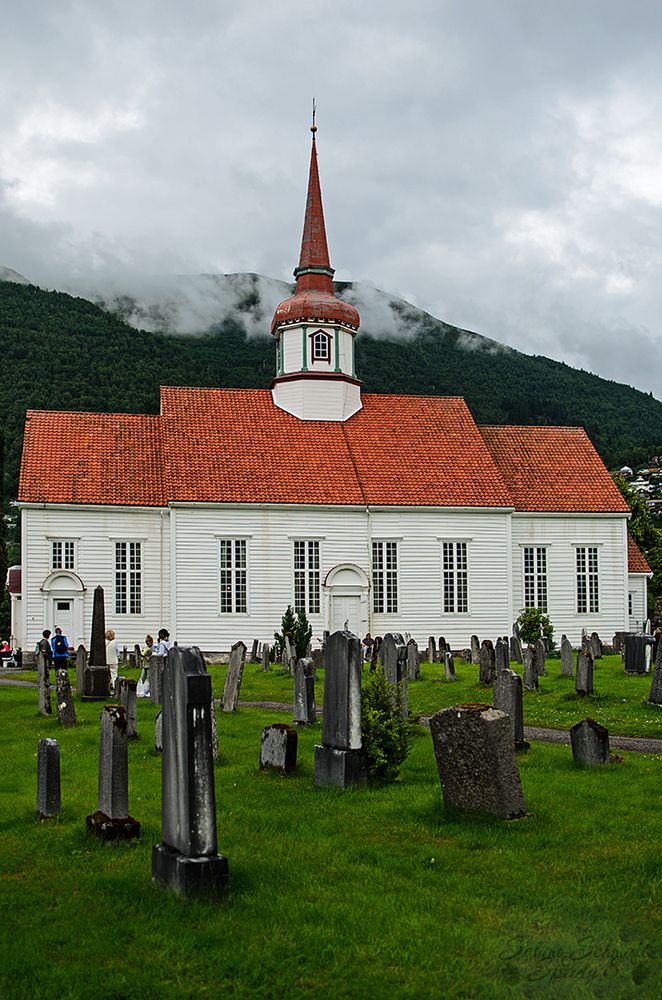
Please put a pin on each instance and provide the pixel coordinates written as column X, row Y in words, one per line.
column 567, row 659
column 233, row 678
column 214, row 729
column 340, row 760
column 81, row 664
column 516, row 648
column 530, row 672
column 413, row 661
column 289, row 655
column 449, row 666
column 64, row 698
column 596, row 646
column 155, row 668
column 128, row 699
column 487, row 662
column 501, row 656
column 432, row 650
column 278, row 748
column 474, row 644
column 374, row 657
column 48, row 779
column 266, row 653
column 304, row 693
column 138, row 656
column 476, row 760
column 590, row 743
column 508, row 699
column 393, row 656
column 541, row 657
column 43, row 686
column 187, row 858
column 634, row 656
column 253, row 658
column 655, row 696
column 584, row 675
column 618, row 642
column 96, row 676
column 442, row 648
column 112, row 821
column 158, row 732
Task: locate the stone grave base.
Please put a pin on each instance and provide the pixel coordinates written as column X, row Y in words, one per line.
column 340, row 768
column 521, row 746
column 106, row 828
column 189, row 876
column 96, row 684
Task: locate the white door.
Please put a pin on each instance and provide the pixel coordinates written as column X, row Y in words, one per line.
column 345, row 609
column 63, row 615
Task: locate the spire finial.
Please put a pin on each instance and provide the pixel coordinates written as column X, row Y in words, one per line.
column 313, row 127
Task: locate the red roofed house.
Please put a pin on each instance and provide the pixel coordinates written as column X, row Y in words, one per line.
column 385, row 512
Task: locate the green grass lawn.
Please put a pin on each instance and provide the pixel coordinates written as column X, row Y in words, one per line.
column 367, row 893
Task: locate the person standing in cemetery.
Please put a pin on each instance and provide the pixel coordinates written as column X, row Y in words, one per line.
column 149, row 643
column 60, row 649
column 112, row 657
column 368, row 643
column 44, row 647
column 162, row 645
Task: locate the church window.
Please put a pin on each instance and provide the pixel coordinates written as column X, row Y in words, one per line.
column 535, row 577
column 455, row 577
column 320, row 346
column 63, row 555
column 587, row 579
column 233, row 585
column 385, row 577
column 307, row 576
column 630, row 605
column 128, row 578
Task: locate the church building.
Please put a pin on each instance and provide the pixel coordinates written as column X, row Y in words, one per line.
column 388, row 513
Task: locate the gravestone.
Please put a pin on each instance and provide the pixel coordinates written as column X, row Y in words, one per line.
column 138, row 656
column 393, row 656
column 233, row 678
column 44, row 706
column 449, row 667
column 508, row 699
column 590, row 743
column 374, row 657
column 465, row 655
column 317, row 660
column 541, row 655
column 253, row 658
column 81, row 664
column 187, row 858
column 340, row 760
column 214, row 729
column 266, row 653
column 155, row 668
column 128, row 699
column 596, row 646
column 476, row 760
column 48, row 779
column 304, row 693
column 278, row 748
column 487, row 662
column 290, row 655
column 516, row 648
column 96, row 676
column 132, row 661
column 584, row 675
column 634, row 657
column 413, row 661
column 432, row 650
column 655, row 696
column 112, row 821
column 530, row 672
column 158, row 733
column 567, row 659
column 618, row 642
column 64, row 698
column 501, row 656
column 442, row 648
column 474, row 644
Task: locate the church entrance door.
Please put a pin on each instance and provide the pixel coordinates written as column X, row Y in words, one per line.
column 345, row 609
column 346, row 599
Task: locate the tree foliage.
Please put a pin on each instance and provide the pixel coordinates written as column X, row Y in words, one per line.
column 386, row 736
column 646, row 534
column 534, row 623
column 295, row 625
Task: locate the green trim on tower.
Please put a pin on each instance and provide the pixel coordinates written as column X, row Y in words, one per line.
column 353, row 339
column 282, row 354
column 337, row 343
column 304, row 349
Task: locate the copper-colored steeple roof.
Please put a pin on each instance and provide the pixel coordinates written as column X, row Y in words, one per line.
column 314, row 298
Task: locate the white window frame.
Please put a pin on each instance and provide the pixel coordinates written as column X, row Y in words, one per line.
column 587, row 579
column 132, row 577
column 385, row 577
column 307, row 575
column 455, row 572
column 66, row 557
column 238, row 574
column 318, row 337
column 535, row 590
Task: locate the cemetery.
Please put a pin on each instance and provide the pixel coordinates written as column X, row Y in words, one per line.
column 251, row 854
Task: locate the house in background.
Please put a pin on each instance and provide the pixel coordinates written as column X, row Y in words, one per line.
column 382, row 512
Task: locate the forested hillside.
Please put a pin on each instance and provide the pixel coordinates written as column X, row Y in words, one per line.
column 61, row 352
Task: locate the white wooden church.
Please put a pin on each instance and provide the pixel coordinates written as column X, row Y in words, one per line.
column 385, row 512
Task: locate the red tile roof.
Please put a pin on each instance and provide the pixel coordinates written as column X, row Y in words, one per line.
column 553, row 469
column 637, row 562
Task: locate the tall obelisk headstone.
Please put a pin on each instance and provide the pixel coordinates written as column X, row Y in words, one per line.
column 96, row 676
column 340, row 760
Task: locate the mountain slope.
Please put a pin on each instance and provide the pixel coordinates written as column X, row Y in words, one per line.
column 61, row 352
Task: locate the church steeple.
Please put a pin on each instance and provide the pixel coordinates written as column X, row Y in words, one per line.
column 314, row 329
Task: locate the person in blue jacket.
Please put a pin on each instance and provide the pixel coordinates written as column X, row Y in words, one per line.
column 60, row 647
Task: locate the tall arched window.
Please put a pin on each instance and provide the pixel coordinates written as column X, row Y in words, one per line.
column 320, row 346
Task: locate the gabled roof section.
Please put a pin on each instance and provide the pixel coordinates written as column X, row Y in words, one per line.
column 95, row 458
column 637, row 562
column 553, row 469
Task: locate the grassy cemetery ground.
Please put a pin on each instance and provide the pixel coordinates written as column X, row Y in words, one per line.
column 365, row 893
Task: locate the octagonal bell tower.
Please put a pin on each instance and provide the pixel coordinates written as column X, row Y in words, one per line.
column 314, row 329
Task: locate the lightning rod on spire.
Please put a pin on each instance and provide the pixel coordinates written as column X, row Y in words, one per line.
column 313, row 127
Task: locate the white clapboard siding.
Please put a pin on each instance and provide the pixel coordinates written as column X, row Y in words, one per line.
column 638, row 589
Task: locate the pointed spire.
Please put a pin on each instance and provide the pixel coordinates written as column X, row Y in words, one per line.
column 314, row 270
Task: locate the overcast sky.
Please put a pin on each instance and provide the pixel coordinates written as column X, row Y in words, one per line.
column 495, row 162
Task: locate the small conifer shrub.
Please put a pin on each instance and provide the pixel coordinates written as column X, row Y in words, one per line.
column 387, row 737
column 534, row 623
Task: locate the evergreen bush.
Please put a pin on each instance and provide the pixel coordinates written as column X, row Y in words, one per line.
column 533, row 623
column 387, row 737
